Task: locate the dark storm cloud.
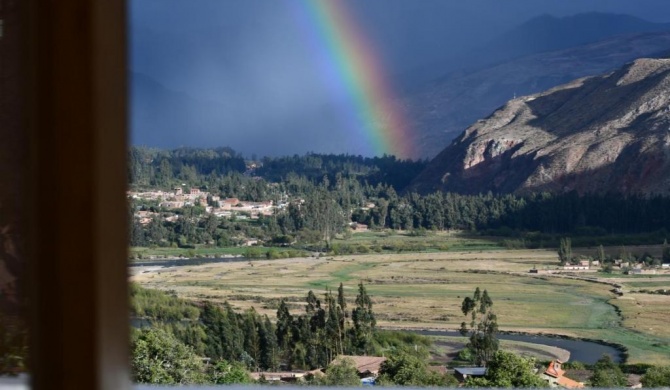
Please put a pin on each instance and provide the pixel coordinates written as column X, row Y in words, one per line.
column 240, row 73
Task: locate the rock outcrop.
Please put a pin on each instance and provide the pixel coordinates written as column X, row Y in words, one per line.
column 600, row 134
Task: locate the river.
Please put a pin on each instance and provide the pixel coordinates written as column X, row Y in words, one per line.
column 580, row 350
column 185, row 262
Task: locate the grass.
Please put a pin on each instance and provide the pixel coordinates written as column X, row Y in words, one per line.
column 425, row 290
column 143, row 253
column 391, row 241
column 649, row 284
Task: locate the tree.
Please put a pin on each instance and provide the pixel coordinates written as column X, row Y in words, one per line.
column 607, row 268
column 342, row 373
column 666, row 252
column 364, row 320
column 342, row 316
column 283, row 331
column 225, row 373
column 606, row 373
column 656, row 377
column 623, row 254
column 483, row 326
column 159, row 358
column 508, row 370
column 407, row 369
column 269, row 346
column 403, row 369
column 600, row 254
column 565, row 250
column 332, row 334
column 324, row 214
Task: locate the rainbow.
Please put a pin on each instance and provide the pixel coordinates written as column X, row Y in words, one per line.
column 351, row 66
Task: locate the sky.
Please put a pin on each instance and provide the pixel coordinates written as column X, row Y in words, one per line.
column 260, row 76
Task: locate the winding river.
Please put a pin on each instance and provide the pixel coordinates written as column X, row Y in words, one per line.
column 580, row 350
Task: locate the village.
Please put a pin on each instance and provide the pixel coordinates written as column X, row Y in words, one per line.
column 368, row 369
column 592, row 266
column 213, row 204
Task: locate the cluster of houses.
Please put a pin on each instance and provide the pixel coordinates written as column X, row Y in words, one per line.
column 583, row 266
column 557, row 377
column 553, row 374
column 586, row 266
column 368, row 368
column 213, row 204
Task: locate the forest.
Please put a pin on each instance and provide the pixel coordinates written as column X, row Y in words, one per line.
column 325, row 193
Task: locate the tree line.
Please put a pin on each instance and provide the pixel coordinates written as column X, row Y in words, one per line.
column 195, row 167
column 308, row 340
column 325, row 192
column 324, row 211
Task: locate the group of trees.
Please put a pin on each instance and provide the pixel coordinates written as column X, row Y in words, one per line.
column 158, row 357
column 167, row 168
column 210, row 167
column 606, row 374
column 314, row 167
column 304, row 341
column 325, row 330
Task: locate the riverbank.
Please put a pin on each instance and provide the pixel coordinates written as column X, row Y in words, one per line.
column 579, row 349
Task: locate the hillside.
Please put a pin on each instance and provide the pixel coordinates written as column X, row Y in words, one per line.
column 442, row 109
column 600, row 134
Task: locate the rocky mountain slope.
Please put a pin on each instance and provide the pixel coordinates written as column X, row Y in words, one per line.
column 601, row 134
column 442, row 109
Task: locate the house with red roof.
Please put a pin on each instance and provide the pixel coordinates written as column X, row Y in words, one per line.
column 555, row 375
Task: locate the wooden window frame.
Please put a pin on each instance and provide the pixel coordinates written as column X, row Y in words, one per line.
column 76, row 77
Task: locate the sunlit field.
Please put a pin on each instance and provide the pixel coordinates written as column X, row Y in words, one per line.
column 425, row 290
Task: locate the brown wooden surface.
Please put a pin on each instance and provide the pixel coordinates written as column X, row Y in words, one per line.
column 78, row 242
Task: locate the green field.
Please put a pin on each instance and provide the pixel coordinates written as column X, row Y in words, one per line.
column 159, row 253
column 425, row 290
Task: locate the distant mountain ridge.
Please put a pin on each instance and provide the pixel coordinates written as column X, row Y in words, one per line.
column 541, row 34
column 594, row 135
column 549, row 33
column 440, row 111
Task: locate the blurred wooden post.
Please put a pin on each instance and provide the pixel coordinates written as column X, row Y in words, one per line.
column 78, row 243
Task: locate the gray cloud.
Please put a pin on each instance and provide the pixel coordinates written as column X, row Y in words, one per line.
column 248, row 66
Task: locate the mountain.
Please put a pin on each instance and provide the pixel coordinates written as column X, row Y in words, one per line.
column 442, row 109
column 544, row 33
column 601, row 134
column 549, row 33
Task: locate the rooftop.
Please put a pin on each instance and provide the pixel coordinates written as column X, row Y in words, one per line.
column 364, row 364
column 472, row 371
